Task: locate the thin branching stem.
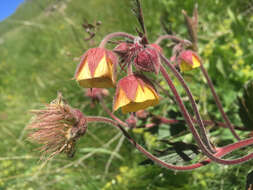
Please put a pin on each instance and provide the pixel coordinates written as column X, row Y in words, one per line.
column 113, row 35
column 194, row 105
column 192, row 25
column 209, row 82
column 195, row 132
column 173, row 38
column 139, row 13
column 221, row 151
column 218, row 102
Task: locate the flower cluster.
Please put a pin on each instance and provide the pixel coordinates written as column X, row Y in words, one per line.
column 97, row 69
column 58, row 126
column 134, row 92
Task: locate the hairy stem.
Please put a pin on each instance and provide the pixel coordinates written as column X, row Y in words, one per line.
column 113, row 35
column 194, row 105
column 174, row 38
column 221, row 151
column 218, row 102
column 195, row 132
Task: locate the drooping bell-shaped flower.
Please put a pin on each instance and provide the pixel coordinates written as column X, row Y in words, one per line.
column 188, row 60
column 133, row 93
column 97, row 69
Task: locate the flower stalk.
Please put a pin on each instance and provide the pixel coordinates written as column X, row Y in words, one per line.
column 220, row 151
column 179, row 101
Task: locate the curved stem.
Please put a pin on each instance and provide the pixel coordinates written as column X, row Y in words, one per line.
column 174, row 38
column 194, row 105
column 209, row 82
column 139, row 147
column 221, row 151
column 113, row 35
column 195, row 132
column 232, row 147
column 218, row 102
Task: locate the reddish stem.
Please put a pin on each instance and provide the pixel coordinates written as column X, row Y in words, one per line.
column 174, row 38
column 221, row 151
column 195, row 132
column 209, row 82
column 194, row 105
column 218, row 102
column 113, row 35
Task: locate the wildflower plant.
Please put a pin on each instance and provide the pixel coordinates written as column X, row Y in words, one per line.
column 58, row 126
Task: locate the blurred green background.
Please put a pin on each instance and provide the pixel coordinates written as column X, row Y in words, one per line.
column 40, row 46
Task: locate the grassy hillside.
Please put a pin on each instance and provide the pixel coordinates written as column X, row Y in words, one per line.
column 40, row 46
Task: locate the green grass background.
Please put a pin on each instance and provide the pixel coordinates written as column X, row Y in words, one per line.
column 40, row 46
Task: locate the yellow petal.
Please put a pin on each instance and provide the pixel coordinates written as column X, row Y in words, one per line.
column 102, row 82
column 185, row 66
column 121, row 100
column 145, row 97
column 195, row 61
column 85, row 72
column 102, row 77
column 103, row 69
column 145, row 93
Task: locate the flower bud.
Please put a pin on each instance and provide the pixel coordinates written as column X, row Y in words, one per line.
column 97, row 69
column 157, row 47
column 188, row 60
column 148, row 60
column 122, row 48
column 133, row 93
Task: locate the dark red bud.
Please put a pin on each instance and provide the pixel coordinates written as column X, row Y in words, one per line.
column 156, row 47
column 122, row 48
column 148, row 60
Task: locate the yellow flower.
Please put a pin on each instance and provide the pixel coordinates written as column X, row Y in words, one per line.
column 133, row 93
column 97, row 69
column 188, row 60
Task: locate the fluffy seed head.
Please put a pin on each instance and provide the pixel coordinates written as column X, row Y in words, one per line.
column 57, row 128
